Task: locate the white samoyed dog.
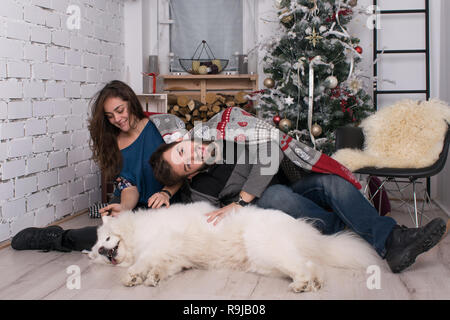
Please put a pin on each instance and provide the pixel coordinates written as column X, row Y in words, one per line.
column 157, row 243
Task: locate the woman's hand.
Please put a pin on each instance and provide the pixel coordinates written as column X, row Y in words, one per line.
column 111, row 210
column 219, row 214
column 158, row 199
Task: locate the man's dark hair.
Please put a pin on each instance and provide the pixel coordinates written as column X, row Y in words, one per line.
column 161, row 168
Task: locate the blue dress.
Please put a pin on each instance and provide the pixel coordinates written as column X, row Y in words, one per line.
column 136, row 168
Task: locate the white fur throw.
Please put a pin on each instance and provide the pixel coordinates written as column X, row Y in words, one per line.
column 407, row 134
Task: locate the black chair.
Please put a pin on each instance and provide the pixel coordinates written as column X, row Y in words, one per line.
column 353, row 137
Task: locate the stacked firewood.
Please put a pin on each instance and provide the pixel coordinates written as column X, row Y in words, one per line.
column 191, row 110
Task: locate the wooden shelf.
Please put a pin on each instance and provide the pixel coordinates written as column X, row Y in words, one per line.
column 196, row 86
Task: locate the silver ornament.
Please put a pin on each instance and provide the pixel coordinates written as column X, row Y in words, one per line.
column 331, row 82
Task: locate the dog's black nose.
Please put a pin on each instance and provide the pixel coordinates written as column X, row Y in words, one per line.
column 102, row 250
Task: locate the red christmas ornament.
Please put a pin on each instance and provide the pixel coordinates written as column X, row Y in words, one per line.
column 276, row 120
column 358, row 49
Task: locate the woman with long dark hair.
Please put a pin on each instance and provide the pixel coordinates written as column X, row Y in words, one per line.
column 122, row 141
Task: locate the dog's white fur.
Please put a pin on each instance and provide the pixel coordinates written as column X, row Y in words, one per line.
column 158, row 243
column 407, row 134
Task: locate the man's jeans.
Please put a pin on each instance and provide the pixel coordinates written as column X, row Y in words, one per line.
column 331, row 203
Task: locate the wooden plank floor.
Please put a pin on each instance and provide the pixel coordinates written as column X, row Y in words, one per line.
column 38, row 275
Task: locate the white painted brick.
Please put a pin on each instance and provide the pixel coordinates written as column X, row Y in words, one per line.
column 6, row 190
column 82, row 169
column 42, row 144
column 87, row 153
column 109, row 75
column 43, row 3
column 3, row 110
column 19, row 109
column 33, row 89
column 54, row 90
column 25, row 186
column 34, row 51
column 61, row 38
column 76, row 42
column 90, row 60
column 11, row 10
column 80, row 138
column 11, row 48
column 20, row 147
column 58, row 193
column 60, row 5
column 73, row 57
column 37, row 200
column 93, row 45
column 3, row 151
column 13, row 208
column 74, row 122
column 44, row 216
column 12, row 169
column 93, row 75
column 2, row 69
column 56, row 124
column 80, row 106
column 75, row 187
column 42, row 71
column 62, row 107
column 73, row 90
column 57, row 159
column 61, row 72
column 10, row 89
column 34, row 14
column 41, row 34
column 21, row 223
column 78, row 74
column 4, row 231
column 43, row 108
column 104, row 62
column 62, row 141
column 47, row 179
column 35, row 127
column 66, row 174
column 17, row 30
column 75, row 156
column 80, row 202
column 18, row 69
column 53, row 20
column 36, row 164
column 89, row 90
column 55, row 54
column 64, row 208
column 91, row 181
column 11, row 130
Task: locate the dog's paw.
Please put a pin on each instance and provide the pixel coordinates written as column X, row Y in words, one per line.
column 131, row 280
column 153, row 278
column 306, row 286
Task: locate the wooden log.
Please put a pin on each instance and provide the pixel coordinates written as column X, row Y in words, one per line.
column 175, row 108
column 203, row 108
column 188, row 117
column 216, row 109
column 195, row 113
column 230, row 103
column 182, row 101
column 193, row 104
column 240, row 97
column 210, row 114
column 171, row 99
column 211, row 97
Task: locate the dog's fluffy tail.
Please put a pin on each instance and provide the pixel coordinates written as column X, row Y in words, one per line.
column 347, row 250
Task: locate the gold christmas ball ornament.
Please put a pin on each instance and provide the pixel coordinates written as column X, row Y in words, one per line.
column 269, row 83
column 285, row 125
column 286, row 19
column 331, row 82
column 316, row 130
column 353, row 3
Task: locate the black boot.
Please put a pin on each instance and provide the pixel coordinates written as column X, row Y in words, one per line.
column 405, row 244
column 46, row 239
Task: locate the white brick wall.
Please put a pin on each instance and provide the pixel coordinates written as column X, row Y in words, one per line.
column 48, row 74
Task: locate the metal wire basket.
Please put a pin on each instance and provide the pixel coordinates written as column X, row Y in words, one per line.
column 197, row 65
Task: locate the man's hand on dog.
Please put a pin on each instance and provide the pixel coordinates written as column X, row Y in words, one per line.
column 158, row 199
column 219, row 214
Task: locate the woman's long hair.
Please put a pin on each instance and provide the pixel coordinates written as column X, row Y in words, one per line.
column 103, row 144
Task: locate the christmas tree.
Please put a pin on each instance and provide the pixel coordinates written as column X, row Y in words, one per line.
column 312, row 83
